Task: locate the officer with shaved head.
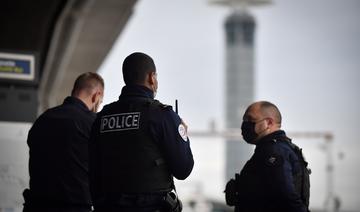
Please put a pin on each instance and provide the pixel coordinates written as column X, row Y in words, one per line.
column 59, row 151
column 276, row 178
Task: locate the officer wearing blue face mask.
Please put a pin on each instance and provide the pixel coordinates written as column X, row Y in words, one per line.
column 276, row 177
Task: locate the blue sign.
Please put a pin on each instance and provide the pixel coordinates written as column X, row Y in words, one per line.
column 17, row 66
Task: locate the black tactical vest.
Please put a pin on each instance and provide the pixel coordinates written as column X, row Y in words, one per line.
column 301, row 182
column 131, row 161
column 302, row 179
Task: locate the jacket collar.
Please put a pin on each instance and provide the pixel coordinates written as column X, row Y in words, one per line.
column 75, row 101
column 136, row 91
column 280, row 134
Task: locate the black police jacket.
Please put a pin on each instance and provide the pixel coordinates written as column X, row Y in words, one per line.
column 136, row 146
column 267, row 181
column 59, row 158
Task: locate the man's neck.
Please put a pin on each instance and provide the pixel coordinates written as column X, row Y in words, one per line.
column 85, row 100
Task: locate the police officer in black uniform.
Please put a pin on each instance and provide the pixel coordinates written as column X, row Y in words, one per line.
column 59, row 151
column 137, row 145
column 276, row 178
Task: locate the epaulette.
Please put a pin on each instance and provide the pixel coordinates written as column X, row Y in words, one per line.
column 281, row 138
column 161, row 105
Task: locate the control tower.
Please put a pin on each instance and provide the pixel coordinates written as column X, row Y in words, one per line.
column 240, row 28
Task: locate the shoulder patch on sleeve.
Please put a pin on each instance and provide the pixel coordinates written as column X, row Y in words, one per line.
column 274, row 160
column 182, row 132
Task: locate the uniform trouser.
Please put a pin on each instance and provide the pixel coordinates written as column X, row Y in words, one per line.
column 133, row 203
column 55, row 209
column 133, row 209
column 43, row 204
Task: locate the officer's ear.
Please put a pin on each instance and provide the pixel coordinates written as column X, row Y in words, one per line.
column 152, row 77
column 95, row 95
column 270, row 121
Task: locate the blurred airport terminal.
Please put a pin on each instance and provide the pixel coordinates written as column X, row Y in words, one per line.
column 45, row 45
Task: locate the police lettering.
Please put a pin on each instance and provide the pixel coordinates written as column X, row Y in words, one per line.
column 119, row 122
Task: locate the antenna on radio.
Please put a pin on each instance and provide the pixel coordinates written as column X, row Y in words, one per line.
column 176, row 106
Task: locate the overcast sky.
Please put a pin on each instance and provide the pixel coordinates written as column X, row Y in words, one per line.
column 307, row 63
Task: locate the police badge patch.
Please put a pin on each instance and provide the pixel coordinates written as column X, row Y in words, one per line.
column 274, row 160
column 120, row 122
column 182, row 132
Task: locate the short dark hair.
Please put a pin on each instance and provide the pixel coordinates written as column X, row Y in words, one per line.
column 135, row 68
column 268, row 107
column 87, row 81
